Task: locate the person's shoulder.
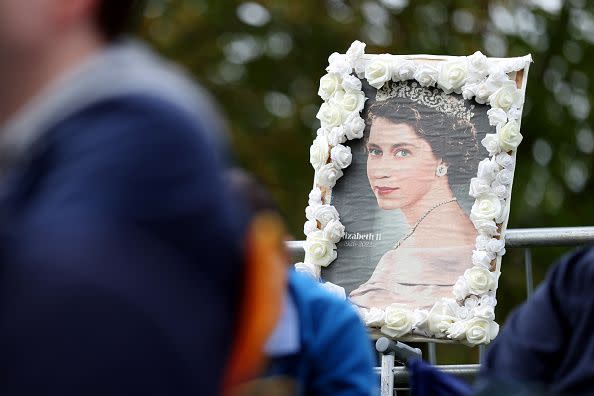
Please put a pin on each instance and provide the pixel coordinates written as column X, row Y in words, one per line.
column 574, row 272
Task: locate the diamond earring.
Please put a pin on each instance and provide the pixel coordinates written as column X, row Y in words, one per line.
column 441, row 170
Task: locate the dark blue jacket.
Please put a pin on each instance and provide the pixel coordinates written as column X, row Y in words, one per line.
column 334, row 355
column 550, row 338
column 119, row 257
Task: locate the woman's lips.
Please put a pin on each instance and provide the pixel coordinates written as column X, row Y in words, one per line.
column 385, row 190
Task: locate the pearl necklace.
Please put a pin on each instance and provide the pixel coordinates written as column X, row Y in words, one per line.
column 414, row 227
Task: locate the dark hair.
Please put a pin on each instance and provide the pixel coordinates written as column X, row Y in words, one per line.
column 451, row 139
column 116, row 17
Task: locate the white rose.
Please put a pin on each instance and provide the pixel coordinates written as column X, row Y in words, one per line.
column 452, row 76
column 426, row 75
column 309, row 227
column 334, row 231
column 505, row 160
column 496, row 246
column 479, row 279
column 483, row 92
column 336, row 290
column 355, row 52
column 319, row 250
column 420, row 317
column 351, row 83
column 360, row 66
column 327, row 175
column 487, row 207
column 328, row 85
column 463, row 312
column 487, row 169
column 325, row 213
column 488, row 299
column 330, row 115
column 349, row 101
column 377, row 73
column 505, row 177
column 398, row 321
column 354, row 127
column 509, row 135
column 515, row 112
column 469, row 91
column 457, row 331
column 481, row 241
column 309, row 212
column 471, row 302
column 505, row 97
column 315, row 197
column 500, row 190
column 496, row 116
column 478, row 66
column 481, row 331
column 441, row 317
column 374, row 317
column 491, row 143
column 341, row 156
column 318, row 152
column 338, row 64
column 485, row 226
column 504, row 212
column 308, row 269
column 485, row 312
column 337, row 136
column 403, row 70
column 479, row 187
column 482, row 259
column 460, row 288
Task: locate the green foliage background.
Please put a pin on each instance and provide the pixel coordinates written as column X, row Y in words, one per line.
column 262, row 62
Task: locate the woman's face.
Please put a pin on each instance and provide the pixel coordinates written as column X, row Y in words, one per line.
column 400, row 164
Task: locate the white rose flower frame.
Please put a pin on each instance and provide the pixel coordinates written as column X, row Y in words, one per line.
column 468, row 315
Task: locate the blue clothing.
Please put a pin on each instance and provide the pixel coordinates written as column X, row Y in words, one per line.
column 550, row 338
column 120, row 256
column 334, row 355
column 426, row 380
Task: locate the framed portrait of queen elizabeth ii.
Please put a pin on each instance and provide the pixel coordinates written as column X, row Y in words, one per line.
column 414, row 164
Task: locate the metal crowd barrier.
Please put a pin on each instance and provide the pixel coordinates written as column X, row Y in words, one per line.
column 393, row 378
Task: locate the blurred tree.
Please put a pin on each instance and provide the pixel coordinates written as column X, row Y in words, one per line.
column 262, row 61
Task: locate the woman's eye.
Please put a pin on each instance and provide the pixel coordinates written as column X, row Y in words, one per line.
column 402, row 153
column 375, row 152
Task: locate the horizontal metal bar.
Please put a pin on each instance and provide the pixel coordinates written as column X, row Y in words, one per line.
column 521, row 237
column 401, row 374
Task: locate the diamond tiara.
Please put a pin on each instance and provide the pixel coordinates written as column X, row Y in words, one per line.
column 434, row 98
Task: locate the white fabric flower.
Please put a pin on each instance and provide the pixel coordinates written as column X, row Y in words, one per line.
column 460, row 288
column 481, row 241
column 479, row 280
column 338, row 64
column 398, row 321
column 471, row 302
column 452, row 76
column 309, row 269
column 515, row 112
column 341, row 156
column 315, row 197
column 496, row 116
column 478, row 67
column 309, row 212
column 374, row 317
column 486, row 207
column 499, row 189
column 351, row 101
column 355, row 52
column 505, row 177
column 309, row 227
column 441, row 317
column 354, row 127
column 334, row 289
column 479, row 187
column 319, row 151
column 351, row 83
column 378, row 72
column 327, row 175
column 504, row 212
column 469, row 90
column 325, row 213
column 457, row 331
column 329, row 83
column 334, row 231
column 481, row 331
column 330, row 115
column 488, row 299
column 485, row 312
column 483, row 92
column 505, row 160
column 485, row 226
column 420, row 317
column 403, row 70
column 426, row 75
column 491, row 143
column 482, row 259
column 509, row 135
column 505, row 97
column 319, row 250
column 337, row 136
column 487, row 169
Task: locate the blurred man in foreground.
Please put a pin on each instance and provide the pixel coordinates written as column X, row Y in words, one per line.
column 119, row 246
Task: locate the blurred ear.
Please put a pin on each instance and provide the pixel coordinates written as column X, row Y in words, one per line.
column 74, row 12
